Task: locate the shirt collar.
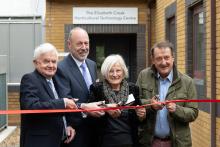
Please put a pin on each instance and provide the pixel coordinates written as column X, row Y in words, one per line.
column 78, row 63
column 49, row 80
column 169, row 77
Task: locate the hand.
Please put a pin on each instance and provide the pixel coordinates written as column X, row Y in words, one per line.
column 141, row 113
column 70, row 103
column 113, row 113
column 93, row 105
column 171, row 107
column 70, row 134
column 155, row 105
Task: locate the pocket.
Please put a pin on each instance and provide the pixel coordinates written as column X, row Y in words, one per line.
column 181, row 96
column 183, row 135
column 147, row 91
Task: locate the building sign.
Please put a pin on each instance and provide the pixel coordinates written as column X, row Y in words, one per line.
column 105, row 15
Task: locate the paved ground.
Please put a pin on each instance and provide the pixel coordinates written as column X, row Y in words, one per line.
column 12, row 140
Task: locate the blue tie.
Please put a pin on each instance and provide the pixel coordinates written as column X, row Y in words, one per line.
column 50, row 83
column 86, row 75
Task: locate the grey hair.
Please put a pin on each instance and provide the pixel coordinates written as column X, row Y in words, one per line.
column 163, row 44
column 44, row 48
column 73, row 30
column 110, row 61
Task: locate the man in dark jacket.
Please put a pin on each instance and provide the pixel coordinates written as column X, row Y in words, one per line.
column 77, row 73
column 168, row 125
column 40, row 90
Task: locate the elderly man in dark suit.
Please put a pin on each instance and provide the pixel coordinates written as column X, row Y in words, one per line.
column 77, row 73
column 40, row 90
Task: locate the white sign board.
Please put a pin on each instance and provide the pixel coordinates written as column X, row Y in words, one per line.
column 23, row 8
column 105, row 15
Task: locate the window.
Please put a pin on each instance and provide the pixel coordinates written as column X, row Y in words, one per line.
column 171, row 32
column 170, row 14
column 196, row 49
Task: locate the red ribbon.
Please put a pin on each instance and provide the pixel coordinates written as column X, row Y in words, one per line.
column 101, row 109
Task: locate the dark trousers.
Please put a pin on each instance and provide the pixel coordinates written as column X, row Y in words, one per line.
column 81, row 138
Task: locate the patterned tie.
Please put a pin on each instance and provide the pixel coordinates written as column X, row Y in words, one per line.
column 86, row 75
column 50, row 83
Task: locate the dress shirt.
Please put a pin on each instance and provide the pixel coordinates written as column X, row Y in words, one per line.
column 162, row 128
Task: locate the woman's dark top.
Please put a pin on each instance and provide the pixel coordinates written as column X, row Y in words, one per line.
column 116, row 131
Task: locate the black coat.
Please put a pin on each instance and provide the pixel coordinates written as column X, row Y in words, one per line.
column 39, row 130
column 97, row 94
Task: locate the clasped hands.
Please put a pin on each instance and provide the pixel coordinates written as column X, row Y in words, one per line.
column 156, row 105
column 115, row 113
column 141, row 112
column 70, row 104
column 101, row 104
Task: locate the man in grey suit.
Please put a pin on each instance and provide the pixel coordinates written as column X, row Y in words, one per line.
column 77, row 80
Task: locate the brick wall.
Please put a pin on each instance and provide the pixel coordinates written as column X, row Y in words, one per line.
column 201, row 130
column 180, row 29
column 59, row 13
column 13, row 104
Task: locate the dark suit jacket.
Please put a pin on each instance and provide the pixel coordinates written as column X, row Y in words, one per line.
column 39, row 130
column 70, row 76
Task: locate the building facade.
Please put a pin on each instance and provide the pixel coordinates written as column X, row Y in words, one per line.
column 188, row 24
column 193, row 26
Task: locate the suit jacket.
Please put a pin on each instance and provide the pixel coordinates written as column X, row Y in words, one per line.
column 44, row 130
column 70, row 76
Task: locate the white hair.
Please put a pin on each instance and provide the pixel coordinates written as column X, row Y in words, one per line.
column 110, row 61
column 44, row 48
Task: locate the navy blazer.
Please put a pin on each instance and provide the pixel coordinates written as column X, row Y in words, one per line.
column 44, row 130
column 70, row 76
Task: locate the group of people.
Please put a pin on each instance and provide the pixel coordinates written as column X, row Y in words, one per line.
column 72, row 84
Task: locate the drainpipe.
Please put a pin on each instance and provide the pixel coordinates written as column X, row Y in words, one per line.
column 149, row 15
column 149, row 35
column 213, row 72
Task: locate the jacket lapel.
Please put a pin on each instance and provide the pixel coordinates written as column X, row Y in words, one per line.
column 76, row 72
column 45, row 84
